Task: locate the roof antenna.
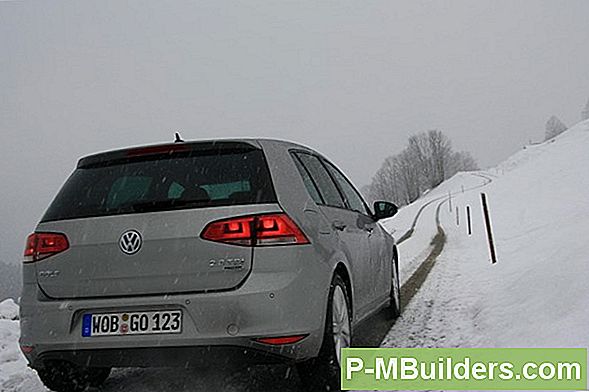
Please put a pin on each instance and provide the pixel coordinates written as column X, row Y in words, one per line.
column 178, row 138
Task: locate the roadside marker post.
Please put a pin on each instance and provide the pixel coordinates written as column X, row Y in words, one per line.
column 449, row 201
column 468, row 220
column 457, row 217
column 488, row 227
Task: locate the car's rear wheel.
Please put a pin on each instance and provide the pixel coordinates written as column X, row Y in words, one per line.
column 99, row 376
column 395, row 305
column 323, row 373
column 62, row 376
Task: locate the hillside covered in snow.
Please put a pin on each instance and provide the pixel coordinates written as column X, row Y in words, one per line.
column 537, row 293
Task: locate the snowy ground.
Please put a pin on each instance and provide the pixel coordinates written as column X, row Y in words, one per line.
column 14, row 374
column 535, row 296
column 416, row 248
column 537, row 293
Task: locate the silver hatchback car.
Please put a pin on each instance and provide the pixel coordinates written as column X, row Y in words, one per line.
column 200, row 253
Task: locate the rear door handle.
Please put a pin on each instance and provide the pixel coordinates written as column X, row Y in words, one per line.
column 339, row 225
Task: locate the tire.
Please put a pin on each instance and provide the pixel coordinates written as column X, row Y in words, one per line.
column 62, row 376
column 395, row 304
column 323, row 373
column 99, row 376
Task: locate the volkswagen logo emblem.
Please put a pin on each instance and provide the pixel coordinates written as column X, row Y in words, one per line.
column 130, row 242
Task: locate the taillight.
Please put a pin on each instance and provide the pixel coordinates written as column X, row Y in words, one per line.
column 256, row 230
column 277, row 229
column 281, row 340
column 27, row 349
column 42, row 245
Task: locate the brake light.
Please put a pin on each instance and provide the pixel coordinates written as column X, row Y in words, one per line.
column 156, row 150
column 42, row 245
column 256, row 230
column 281, row 340
column 27, row 349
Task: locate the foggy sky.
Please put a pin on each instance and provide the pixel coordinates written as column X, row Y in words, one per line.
column 351, row 79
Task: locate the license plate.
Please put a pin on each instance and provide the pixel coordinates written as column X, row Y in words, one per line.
column 132, row 323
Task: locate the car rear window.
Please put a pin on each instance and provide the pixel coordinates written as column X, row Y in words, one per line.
column 189, row 179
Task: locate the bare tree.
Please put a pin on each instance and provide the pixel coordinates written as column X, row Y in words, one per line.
column 388, row 182
column 409, row 176
column 585, row 112
column 441, row 153
column 10, row 281
column 382, row 185
column 431, row 151
column 425, row 163
column 461, row 161
column 421, row 156
column 554, row 127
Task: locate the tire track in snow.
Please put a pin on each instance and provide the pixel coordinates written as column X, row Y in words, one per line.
column 410, row 231
column 414, row 283
column 416, row 280
column 372, row 332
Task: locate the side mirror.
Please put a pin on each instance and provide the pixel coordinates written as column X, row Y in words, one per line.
column 384, row 209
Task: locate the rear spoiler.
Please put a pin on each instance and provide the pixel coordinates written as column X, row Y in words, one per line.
column 161, row 151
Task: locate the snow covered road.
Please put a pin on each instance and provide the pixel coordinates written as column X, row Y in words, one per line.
column 415, row 225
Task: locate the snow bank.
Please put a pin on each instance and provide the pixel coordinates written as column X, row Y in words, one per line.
column 415, row 249
column 8, row 310
column 537, row 293
column 15, row 376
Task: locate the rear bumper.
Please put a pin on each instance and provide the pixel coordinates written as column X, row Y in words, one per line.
column 181, row 356
column 280, row 298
